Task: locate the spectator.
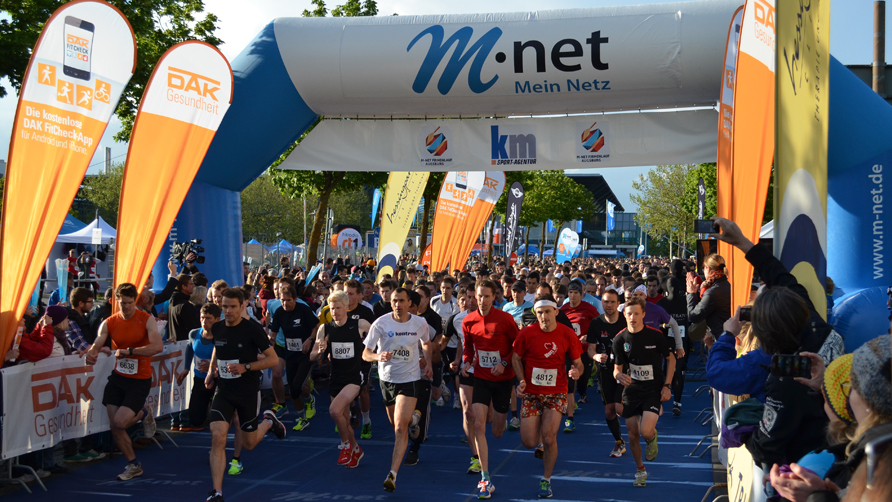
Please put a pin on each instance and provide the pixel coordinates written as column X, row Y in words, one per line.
column 711, row 302
column 100, row 312
column 183, row 316
column 38, row 344
column 81, row 303
column 56, row 295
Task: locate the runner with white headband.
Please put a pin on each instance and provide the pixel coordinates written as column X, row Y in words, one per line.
column 540, row 351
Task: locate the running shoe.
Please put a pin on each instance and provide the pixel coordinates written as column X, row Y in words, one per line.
column 569, row 425
column 540, row 451
column 344, row 455
column 583, row 400
column 485, row 489
column 575, row 405
column 456, row 405
column 676, row 409
column 148, row 422
column 411, row 457
column 640, row 479
column 94, row 455
column 440, row 402
column 42, row 473
column 366, row 431
column 474, row 468
column 130, row 472
column 215, row 497
column 277, row 427
column 279, row 409
column 355, row 457
column 514, row 424
column 447, row 394
column 300, row 424
column 235, row 468
column 545, row 489
column 618, row 449
column 77, row 458
column 650, row 452
column 390, row 483
column 414, row 429
column 310, row 407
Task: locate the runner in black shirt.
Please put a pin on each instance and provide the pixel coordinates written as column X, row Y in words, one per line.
column 638, row 353
column 601, row 332
column 237, row 343
column 298, row 323
column 341, row 340
column 418, row 432
column 386, row 287
column 674, row 302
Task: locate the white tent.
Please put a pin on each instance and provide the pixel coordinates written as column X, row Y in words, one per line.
column 85, row 235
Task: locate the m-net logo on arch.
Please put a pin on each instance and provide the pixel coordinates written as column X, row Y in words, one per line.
column 433, row 145
column 593, row 142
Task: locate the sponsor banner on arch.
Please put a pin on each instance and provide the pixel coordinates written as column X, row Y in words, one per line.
column 60, row 398
column 181, row 108
column 80, row 65
column 612, row 140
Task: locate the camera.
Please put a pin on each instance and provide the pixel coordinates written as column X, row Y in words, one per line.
column 182, row 249
column 790, row 365
column 746, row 314
column 706, row 227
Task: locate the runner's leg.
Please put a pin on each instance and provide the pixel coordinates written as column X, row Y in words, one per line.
column 480, row 411
column 219, row 431
column 400, row 415
column 633, row 425
column 120, row 419
column 551, row 421
column 340, row 412
column 278, row 383
column 466, row 393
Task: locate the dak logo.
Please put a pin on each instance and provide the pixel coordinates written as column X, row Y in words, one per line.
column 68, row 385
column 183, row 80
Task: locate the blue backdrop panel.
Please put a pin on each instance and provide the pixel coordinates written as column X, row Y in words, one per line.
column 860, row 120
column 213, row 215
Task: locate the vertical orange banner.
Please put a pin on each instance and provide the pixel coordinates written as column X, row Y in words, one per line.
column 725, row 194
column 180, row 111
column 457, row 197
column 493, row 186
column 752, row 137
column 80, row 65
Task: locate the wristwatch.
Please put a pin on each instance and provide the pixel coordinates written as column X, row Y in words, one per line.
column 131, row 351
column 504, row 363
column 248, row 367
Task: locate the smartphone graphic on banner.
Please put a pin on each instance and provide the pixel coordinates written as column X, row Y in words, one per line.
column 461, row 180
column 78, row 47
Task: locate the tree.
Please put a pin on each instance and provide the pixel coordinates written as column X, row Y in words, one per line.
column 660, row 200
column 103, row 191
column 500, row 210
column 157, row 24
column 709, row 174
column 556, row 197
column 324, row 184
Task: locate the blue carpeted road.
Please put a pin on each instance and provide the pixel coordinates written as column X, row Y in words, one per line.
column 302, row 467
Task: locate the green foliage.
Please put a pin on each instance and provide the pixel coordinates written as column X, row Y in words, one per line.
column 157, row 24
column 689, row 201
column 355, row 8
column 103, row 192
column 557, row 197
column 659, row 195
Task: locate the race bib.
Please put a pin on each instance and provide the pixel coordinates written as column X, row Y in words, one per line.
column 642, row 373
column 294, row 344
column 544, row 378
column 577, row 329
column 488, row 358
column 342, row 350
column 127, row 366
column 682, row 330
column 223, row 368
column 402, row 353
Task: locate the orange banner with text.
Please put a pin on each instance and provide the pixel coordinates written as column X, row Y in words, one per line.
column 457, row 197
column 493, row 186
column 181, row 109
column 752, row 138
column 79, row 67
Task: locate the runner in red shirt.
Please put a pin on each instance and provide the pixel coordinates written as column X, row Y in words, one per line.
column 581, row 314
column 489, row 334
column 539, row 354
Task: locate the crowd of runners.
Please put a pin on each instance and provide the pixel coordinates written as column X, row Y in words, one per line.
column 521, row 347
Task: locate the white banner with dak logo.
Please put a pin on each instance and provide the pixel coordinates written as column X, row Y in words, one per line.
column 60, row 398
column 611, row 140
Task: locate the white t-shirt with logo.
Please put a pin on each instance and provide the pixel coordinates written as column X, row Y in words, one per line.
column 402, row 338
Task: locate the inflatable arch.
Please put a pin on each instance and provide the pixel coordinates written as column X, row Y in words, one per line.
column 479, row 65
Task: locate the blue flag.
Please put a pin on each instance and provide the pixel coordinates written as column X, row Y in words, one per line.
column 549, row 226
column 611, row 221
column 376, row 200
column 578, row 226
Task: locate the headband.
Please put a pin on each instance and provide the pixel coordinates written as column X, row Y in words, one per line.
column 545, row 303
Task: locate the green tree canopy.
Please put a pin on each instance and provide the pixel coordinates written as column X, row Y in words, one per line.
column 157, row 24
column 662, row 209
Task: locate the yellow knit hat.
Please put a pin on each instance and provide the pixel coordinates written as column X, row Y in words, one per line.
column 837, row 385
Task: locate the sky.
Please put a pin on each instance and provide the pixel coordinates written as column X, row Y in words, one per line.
column 851, row 42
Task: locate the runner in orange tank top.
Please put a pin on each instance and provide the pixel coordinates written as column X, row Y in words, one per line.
column 135, row 339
